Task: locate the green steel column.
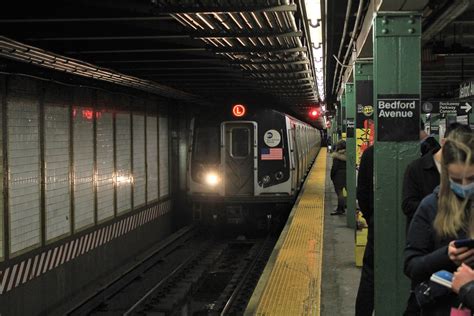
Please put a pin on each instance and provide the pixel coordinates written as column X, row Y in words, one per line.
column 351, row 156
column 397, row 80
column 340, row 127
column 364, row 100
column 343, row 114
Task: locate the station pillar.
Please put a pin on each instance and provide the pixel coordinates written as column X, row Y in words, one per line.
column 397, row 81
column 350, row 155
column 364, row 103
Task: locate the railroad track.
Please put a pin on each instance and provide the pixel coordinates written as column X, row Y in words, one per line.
column 193, row 273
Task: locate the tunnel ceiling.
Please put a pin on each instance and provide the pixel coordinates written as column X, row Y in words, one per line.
column 218, row 52
column 447, row 56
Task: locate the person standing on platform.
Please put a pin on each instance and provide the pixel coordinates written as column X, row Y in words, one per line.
column 365, row 197
column 442, row 217
column 421, row 177
column 338, row 176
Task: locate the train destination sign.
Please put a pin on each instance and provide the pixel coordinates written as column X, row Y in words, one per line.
column 398, row 117
column 447, row 107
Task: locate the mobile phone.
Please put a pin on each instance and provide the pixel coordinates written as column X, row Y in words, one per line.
column 469, row 243
column 442, row 277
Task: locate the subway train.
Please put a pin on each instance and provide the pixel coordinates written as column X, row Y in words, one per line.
column 247, row 163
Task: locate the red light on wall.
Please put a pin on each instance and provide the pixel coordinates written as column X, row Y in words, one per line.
column 238, row 110
column 88, row 114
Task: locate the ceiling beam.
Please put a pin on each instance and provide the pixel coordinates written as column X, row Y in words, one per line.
column 85, row 20
column 181, row 9
column 128, row 51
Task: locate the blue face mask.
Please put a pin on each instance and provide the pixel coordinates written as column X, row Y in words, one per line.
column 462, row 191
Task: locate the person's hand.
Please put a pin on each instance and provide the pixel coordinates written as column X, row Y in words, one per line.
column 460, row 255
column 463, row 275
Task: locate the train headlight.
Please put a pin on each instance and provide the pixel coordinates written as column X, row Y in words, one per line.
column 211, row 178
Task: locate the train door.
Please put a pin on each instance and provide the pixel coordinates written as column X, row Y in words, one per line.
column 239, row 158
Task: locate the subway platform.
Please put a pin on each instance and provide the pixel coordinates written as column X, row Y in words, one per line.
column 312, row 268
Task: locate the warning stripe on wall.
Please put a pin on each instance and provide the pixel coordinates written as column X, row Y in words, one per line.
column 30, row 268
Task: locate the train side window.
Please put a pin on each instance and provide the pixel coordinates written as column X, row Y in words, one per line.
column 240, row 143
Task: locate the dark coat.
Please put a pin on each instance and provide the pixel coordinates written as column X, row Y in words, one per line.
column 365, row 184
column 421, row 177
column 466, row 295
column 338, row 169
column 427, row 253
column 429, row 144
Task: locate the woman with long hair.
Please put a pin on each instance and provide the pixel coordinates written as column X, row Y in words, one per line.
column 441, row 218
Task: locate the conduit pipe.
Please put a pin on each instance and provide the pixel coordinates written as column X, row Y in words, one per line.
column 341, row 44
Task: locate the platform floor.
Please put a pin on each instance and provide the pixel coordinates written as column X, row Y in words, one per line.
column 302, row 276
column 340, row 275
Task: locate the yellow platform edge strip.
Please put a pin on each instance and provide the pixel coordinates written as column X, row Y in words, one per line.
column 293, row 286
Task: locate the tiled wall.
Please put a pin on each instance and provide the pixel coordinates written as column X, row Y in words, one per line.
column 139, row 176
column 105, row 166
column 24, row 171
column 56, row 159
column 164, row 152
column 70, row 161
column 124, row 168
column 83, row 162
column 152, row 158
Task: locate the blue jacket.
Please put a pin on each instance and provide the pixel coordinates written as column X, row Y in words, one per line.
column 427, row 253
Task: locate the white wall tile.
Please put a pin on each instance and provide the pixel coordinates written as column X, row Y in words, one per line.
column 124, row 177
column 24, row 179
column 164, row 164
column 139, row 175
column 56, row 156
column 152, row 158
column 105, row 166
column 83, row 169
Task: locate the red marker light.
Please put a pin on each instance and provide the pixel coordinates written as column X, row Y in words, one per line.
column 314, row 113
column 238, row 110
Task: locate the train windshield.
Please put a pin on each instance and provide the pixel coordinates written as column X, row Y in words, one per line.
column 206, row 145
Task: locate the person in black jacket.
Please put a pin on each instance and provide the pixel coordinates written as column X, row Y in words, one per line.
column 421, row 177
column 338, row 175
column 463, row 284
column 365, row 196
column 442, row 217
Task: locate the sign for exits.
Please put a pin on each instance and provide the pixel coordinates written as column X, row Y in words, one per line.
column 398, row 117
column 447, row 107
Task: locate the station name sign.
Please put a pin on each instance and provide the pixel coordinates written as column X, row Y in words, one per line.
column 398, row 117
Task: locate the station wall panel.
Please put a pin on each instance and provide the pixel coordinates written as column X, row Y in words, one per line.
column 105, row 166
column 2, row 227
column 83, row 148
column 152, row 158
column 24, row 171
column 57, row 162
column 139, row 172
column 164, row 152
column 123, row 154
column 69, row 154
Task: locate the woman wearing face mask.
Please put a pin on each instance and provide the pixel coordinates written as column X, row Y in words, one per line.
column 441, row 218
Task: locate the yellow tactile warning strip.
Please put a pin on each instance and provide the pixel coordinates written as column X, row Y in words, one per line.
column 294, row 285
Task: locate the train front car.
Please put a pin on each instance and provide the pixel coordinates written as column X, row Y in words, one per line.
column 245, row 167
